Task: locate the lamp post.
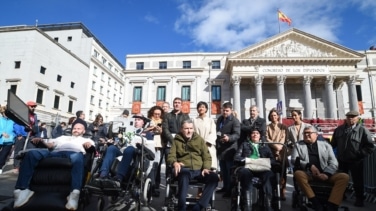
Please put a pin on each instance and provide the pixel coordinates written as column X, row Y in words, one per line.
column 209, row 85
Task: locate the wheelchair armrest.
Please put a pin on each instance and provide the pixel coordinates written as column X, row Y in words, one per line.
column 239, row 162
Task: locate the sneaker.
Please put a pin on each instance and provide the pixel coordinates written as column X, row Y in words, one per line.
column 21, row 197
column 73, row 198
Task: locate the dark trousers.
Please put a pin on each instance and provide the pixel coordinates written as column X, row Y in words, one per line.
column 357, row 176
column 185, row 175
column 245, row 176
column 4, row 152
column 164, row 154
column 226, row 166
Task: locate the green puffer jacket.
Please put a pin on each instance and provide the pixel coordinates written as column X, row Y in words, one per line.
column 193, row 153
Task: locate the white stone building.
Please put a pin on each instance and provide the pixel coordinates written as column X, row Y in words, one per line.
column 323, row 79
column 63, row 67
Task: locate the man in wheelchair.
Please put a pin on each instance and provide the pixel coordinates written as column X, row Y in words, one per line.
column 250, row 150
column 190, row 159
column 318, row 163
column 72, row 147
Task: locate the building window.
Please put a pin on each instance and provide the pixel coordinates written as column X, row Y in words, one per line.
column 40, row 96
column 102, row 76
column 95, row 70
column 216, row 93
column 92, row 99
column 93, row 85
column 108, row 94
column 100, row 103
column 13, row 88
column 104, row 60
column 187, row 64
column 72, row 85
column 109, row 66
column 70, row 106
column 17, row 64
column 56, row 101
column 121, row 90
column 101, row 90
column 120, row 101
column 114, row 98
column 216, row 64
column 186, row 93
column 139, row 65
column 137, row 93
column 109, row 81
column 161, row 93
column 58, row 78
column 115, row 85
column 107, row 105
column 162, row 65
column 42, row 70
column 96, row 54
column 56, row 39
column 90, row 114
column 69, row 39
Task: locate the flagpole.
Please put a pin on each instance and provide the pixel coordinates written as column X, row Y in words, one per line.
column 279, row 24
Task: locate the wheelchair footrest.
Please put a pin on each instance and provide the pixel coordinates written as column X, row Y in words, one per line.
column 103, row 187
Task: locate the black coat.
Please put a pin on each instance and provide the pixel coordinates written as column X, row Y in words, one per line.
column 246, row 128
column 231, row 128
column 245, row 150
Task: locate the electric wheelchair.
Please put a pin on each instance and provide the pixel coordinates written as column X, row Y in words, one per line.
column 172, row 189
column 321, row 189
column 135, row 189
column 258, row 197
column 51, row 181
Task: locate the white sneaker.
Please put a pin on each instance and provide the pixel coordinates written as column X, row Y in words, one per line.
column 73, row 198
column 21, row 197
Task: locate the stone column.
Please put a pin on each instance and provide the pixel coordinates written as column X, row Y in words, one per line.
column 259, row 100
column 236, row 89
column 353, row 99
column 331, row 110
column 281, row 92
column 307, row 79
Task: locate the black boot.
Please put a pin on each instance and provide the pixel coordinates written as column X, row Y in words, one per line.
column 247, row 200
column 268, row 203
column 316, row 204
column 331, row 207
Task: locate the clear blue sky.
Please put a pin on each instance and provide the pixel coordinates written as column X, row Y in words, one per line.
column 165, row 26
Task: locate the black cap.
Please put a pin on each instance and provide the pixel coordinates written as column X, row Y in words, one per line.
column 352, row 113
column 79, row 121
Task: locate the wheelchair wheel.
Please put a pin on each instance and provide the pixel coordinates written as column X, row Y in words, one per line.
column 147, row 191
column 100, row 204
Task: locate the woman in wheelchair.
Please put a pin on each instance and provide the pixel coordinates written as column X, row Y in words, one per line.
column 318, row 163
column 250, row 149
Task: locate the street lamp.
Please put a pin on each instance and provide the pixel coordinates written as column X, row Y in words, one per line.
column 209, row 84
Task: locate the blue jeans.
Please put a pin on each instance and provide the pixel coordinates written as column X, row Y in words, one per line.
column 226, row 166
column 185, row 175
column 125, row 162
column 32, row 158
column 111, row 153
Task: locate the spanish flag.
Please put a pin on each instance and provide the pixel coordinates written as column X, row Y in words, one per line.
column 282, row 17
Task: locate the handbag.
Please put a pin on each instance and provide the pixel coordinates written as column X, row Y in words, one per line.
column 258, row 165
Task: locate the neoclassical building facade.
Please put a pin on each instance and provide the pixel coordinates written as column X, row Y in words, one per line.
column 296, row 69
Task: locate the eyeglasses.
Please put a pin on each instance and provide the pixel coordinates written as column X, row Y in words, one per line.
column 308, row 133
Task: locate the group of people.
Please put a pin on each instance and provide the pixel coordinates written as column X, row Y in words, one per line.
column 194, row 148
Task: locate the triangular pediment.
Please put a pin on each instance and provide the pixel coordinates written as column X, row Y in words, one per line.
column 295, row 44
